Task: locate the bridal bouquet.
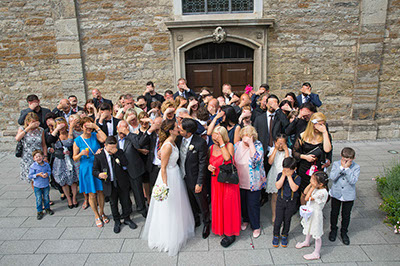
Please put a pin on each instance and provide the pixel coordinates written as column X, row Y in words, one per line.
column 160, row 192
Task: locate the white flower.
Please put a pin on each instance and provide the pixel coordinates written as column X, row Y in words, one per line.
column 117, row 161
column 191, row 147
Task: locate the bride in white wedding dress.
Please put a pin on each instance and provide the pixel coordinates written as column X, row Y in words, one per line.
column 170, row 222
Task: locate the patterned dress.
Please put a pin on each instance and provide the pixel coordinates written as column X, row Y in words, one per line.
column 32, row 141
column 63, row 169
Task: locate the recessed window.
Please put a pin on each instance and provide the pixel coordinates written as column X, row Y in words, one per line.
column 193, row 7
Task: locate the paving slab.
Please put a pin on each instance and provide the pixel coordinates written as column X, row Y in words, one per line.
column 291, row 255
column 126, row 232
column 12, row 233
column 60, row 246
column 81, row 233
column 65, row 259
column 21, row 260
column 20, row 246
column 11, row 222
column 43, row 233
column 47, row 221
column 154, row 259
column 201, row 258
column 382, row 252
column 343, row 254
column 251, row 257
column 101, row 245
column 119, row 259
column 136, row 245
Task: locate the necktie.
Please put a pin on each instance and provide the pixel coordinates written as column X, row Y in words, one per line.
column 108, row 121
column 113, row 167
column 271, row 125
column 158, row 145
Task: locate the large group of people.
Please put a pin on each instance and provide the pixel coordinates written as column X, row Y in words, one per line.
column 221, row 159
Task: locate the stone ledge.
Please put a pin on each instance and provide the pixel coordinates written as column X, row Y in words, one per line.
column 269, row 22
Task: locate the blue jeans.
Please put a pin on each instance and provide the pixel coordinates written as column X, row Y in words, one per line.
column 42, row 197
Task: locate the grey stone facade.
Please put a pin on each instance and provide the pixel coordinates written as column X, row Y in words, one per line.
column 348, row 50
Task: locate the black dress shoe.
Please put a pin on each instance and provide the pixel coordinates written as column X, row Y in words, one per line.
column 76, row 205
column 130, row 223
column 345, row 239
column 70, row 206
column 332, row 235
column 143, row 213
column 117, row 227
column 206, row 231
column 197, row 223
column 227, row 241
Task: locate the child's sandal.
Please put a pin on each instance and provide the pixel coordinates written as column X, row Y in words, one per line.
column 99, row 223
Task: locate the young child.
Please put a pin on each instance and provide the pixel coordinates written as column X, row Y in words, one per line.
column 39, row 172
column 317, row 193
column 344, row 175
column 275, row 158
column 288, row 183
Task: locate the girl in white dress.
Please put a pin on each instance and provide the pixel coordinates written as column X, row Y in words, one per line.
column 276, row 155
column 317, row 193
column 170, row 222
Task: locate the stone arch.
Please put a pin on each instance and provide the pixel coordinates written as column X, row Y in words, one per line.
column 259, row 64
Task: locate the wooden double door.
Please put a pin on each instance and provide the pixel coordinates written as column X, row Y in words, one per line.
column 214, row 75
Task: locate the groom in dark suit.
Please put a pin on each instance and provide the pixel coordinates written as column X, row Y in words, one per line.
column 110, row 165
column 193, row 165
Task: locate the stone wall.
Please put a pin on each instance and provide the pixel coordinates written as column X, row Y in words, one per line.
column 314, row 41
column 126, row 44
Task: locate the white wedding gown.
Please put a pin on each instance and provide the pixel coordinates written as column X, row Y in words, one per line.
column 170, row 223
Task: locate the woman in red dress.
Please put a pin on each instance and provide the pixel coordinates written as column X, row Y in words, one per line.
column 225, row 198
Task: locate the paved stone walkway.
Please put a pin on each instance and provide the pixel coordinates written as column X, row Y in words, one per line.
column 70, row 236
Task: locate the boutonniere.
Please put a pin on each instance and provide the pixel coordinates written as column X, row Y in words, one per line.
column 117, row 161
column 191, row 147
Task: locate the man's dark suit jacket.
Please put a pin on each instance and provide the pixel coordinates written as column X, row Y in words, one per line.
column 97, row 103
column 196, row 161
column 261, row 125
column 150, row 141
column 120, row 174
column 136, row 167
column 104, row 127
column 60, row 113
column 186, row 94
column 314, row 99
column 41, row 114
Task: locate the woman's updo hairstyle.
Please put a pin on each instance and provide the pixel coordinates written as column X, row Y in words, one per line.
column 166, row 126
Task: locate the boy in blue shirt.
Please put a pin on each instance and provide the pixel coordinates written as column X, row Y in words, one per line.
column 39, row 172
column 287, row 183
column 344, row 175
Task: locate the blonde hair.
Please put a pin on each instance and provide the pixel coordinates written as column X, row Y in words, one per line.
column 130, row 111
column 310, row 134
column 142, row 115
column 178, row 100
column 62, row 120
column 166, row 104
column 30, row 117
column 224, row 133
column 76, row 116
column 249, row 131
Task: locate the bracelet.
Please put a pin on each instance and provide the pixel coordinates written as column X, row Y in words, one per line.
column 24, row 131
column 97, row 130
column 223, row 145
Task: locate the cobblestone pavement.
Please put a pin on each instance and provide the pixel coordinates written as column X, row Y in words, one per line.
column 70, row 236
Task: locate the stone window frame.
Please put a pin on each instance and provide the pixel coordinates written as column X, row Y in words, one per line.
column 179, row 16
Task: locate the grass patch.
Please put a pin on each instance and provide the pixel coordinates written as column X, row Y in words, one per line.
column 389, row 188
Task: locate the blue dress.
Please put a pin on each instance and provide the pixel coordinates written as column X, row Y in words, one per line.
column 87, row 182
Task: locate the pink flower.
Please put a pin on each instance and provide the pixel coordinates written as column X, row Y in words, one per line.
column 248, row 89
column 373, row 179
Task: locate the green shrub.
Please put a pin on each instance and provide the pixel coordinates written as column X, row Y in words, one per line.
column 389, row 188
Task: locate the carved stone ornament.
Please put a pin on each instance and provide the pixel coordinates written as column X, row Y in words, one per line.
column 219, row 35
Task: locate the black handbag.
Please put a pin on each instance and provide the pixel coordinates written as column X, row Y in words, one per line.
column 228, row 174
column 19, row 149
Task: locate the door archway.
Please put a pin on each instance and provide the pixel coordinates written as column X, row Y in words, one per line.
column 212, row 65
